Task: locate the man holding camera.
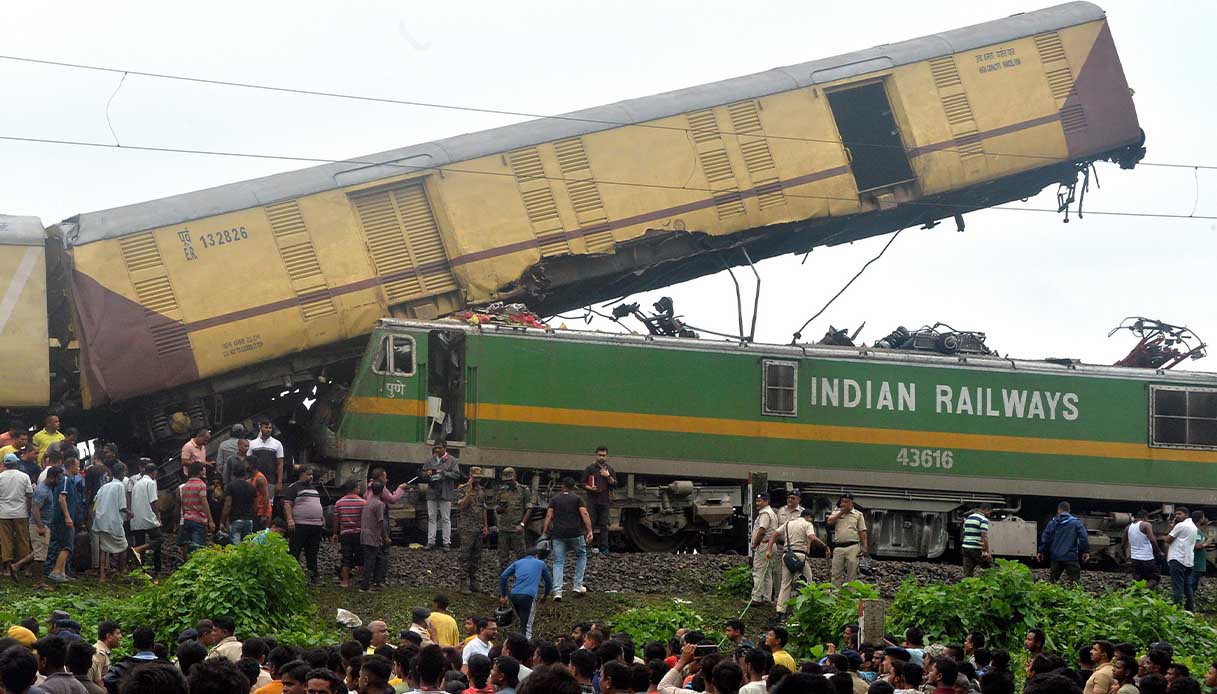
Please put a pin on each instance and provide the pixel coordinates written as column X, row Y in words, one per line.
column 441, row 473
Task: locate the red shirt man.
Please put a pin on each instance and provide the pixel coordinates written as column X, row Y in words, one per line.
column 195, row 508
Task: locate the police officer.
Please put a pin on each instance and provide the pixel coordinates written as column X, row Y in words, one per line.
column 473, row 527
column 512, row 501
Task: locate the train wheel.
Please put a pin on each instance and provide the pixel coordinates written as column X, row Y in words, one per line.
column 643, row 539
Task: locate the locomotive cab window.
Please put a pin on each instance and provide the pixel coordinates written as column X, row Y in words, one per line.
column 396, row 356
column 780, row 381
column 1183, row 417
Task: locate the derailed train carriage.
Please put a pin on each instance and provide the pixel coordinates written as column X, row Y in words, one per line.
column 123, row 326
column 918, row 438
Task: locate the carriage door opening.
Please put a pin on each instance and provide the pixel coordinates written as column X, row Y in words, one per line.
column 446, row 386
column 870, row 136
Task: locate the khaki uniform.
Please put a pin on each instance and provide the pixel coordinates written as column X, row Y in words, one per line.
column 847, row 538
column 511, row 500
column 785, row 514
column 795, row 535
column 764, row 571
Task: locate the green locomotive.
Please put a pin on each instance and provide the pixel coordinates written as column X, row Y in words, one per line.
column 693, row 424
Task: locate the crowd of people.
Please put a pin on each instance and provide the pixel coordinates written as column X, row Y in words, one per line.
column 50, row 502
column 1181, row 553
column 430, row 655
column 60, row 516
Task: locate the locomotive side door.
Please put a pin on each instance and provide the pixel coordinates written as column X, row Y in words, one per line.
column 870, row 136
column 446, row 386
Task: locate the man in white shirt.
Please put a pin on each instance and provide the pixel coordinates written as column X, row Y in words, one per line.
column 145, row 517
column 755, row 664
column 1179, row 557
column 488, row 630
column 16, row 493
column 764, row 570
column 109, row 512
column 267, row 453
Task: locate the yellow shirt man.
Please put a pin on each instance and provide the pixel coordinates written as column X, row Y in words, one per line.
column 781, row 657
column 446, row 631
column 43, row 440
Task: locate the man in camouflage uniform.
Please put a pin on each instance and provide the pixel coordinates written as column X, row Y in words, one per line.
column 512, row 502
column 472, row 526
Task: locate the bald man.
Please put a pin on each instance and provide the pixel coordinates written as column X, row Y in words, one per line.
column 380, row 635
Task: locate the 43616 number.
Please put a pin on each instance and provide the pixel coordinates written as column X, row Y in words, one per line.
column 926, row 458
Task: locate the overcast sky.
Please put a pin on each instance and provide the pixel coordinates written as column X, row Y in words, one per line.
column 1038, row 287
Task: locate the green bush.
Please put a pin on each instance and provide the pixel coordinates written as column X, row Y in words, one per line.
column 737, row 582
column 87, row 609
column 259, row 583
column 819, row 613
column 1005, row 602
column 659, row 623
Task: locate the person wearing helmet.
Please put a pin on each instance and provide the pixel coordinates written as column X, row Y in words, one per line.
column 529, row 572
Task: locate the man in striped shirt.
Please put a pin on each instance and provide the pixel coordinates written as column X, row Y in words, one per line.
column 975, row 543
column 347, row 527
column 197, row 522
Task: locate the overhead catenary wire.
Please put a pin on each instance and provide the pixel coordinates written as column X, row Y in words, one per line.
column 514, row 113
column 799, row 333
column 561, row 179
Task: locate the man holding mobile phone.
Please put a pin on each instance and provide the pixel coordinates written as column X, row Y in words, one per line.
column 599, row 478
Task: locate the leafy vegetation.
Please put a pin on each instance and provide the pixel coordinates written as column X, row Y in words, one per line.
column 1006, row 602
column 88, row 608
column 259, row 584
column 660, row 622
column 737, row 582
column 819, row 613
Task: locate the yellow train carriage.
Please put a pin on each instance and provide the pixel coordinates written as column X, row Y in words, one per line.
column 24, row 336
column 563, row 211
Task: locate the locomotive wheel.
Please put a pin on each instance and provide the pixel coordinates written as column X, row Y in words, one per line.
column 643, row 539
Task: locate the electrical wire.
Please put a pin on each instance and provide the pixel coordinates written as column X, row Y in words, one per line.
column 799, row 333
column 600, row 181
column 520, row 114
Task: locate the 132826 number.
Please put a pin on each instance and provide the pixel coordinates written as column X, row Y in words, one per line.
column 220, row 238
column 926, row 458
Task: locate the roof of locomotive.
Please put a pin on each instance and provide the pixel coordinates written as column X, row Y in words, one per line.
column 119, row 221
column 1059, row 367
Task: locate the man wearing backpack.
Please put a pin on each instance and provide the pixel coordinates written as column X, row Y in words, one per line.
column 1065, row 544
column 797, row 535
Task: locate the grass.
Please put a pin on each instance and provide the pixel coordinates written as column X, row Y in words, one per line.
column 553, row 619
column 394, row 605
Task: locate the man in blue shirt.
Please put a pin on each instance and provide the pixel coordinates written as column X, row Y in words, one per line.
column 529, row 571
column 68, row 498
column 1065, row 544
